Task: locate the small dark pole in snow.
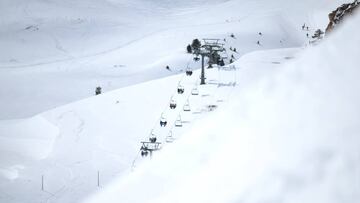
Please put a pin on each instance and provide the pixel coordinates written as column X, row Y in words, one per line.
column 42, row 182
column 202, row 70
column 98, row 178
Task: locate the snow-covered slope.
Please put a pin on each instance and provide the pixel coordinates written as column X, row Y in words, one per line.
column 55, row 52
column 78, row 45
column 287, row 134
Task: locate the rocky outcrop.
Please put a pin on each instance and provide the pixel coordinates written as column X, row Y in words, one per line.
column 337, row 16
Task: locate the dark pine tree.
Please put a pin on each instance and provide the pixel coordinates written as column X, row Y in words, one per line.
column 196, row 44
column 189, row 49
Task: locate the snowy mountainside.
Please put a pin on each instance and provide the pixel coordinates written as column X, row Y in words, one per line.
column 85, row 44
column 51, row 131
column 289, row 136
column 97, row 134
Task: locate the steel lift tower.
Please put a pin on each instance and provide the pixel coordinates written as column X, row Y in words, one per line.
column 211, row 49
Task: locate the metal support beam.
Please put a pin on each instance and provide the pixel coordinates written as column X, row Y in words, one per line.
column 210, row 49
column 202, row 70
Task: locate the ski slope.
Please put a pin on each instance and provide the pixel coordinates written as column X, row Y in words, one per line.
column 50, row 47
column 288, row 133
column 53, row 127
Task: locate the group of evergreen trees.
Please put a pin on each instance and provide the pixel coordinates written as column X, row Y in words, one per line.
column 194, row 47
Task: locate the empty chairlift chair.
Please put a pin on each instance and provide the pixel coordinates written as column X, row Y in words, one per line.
column 180, row 89
column 170, row 138
column 172, row 104
column 186, row 106
column 195, row 91
column 178, row 122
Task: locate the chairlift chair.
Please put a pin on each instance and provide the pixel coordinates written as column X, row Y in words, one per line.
column 152, row 137
column 180, row 89
column 144, row 151
column 172, row 104
column 163, row 121
column 170, row 138
column 189, row 72
column 186, row 106
column 178, row 122
column 195, row 91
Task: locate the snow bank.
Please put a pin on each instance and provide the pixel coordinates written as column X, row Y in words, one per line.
column 291, row 136
column 24, row 140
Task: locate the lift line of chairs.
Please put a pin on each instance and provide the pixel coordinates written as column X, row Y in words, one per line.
column 147, row 147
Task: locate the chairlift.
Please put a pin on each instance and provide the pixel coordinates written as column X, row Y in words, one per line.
column 144, row 151
column 163, row 121
column 189, row 72
column 170, row 138
column 149, row 147
column 152, row 137
column 180, row 89
column 172, row 104
column 195, row 91
column 186, row 106
column 178, row 122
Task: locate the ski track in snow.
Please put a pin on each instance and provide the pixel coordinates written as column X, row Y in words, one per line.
column 73, row 59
